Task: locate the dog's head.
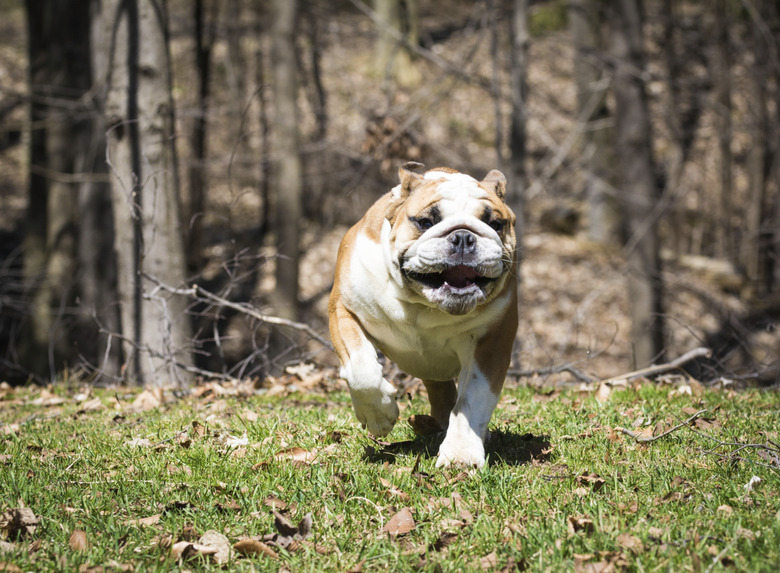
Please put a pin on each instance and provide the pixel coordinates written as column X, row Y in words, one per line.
column 452, row 236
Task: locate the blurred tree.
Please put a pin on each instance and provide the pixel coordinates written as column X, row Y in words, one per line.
column 59, row 74
column 721, row 65
column 205, row 16
column 590, row 76
column 398, row 23
column 759, row 158
column 287, row 172
column 639, row 193
column 518, row 179
column 142, row 160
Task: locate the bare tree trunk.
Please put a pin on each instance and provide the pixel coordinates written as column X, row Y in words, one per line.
column 141, row 155
column 59, row 75
column 399, row 19
column 205, row 31
column 98, row 311
column 264, row 163
column 604, row 220
column 758, row 158
column 518, row 178
column 680, row 232
column 722, row 67
column 318, row 97
column 640, row 200
column 288, row 170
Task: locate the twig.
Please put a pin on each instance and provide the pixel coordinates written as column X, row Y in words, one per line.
column 719, row 556
column 658, row 368
column 570, row 368
column 645, row 439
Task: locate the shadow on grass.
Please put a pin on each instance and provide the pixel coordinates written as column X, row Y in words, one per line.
column 503, row 447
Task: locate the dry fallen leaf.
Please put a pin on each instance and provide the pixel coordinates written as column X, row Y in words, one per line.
column 19, row 521
column 249, row 546
column 220, row 543
column 47, row 398
column 5, row 546
column 595, row 481
column 275, row 503
column 149, row 399
column 630, row 542
column 489, row 562
column 198, row 429
column 138, row 443
column 423, row 425
column 603, row 392
column 78, row 540
column 401, row 523
column 9, row 567
column 91, row 406
column 655, row 532
column 184, row 550
column 297, row 454
column 580, row 523
column 393, row 491
column 444, row 539
column 151, row 520
column 726, row 509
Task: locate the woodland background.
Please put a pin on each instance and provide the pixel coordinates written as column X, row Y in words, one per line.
column 175, row 176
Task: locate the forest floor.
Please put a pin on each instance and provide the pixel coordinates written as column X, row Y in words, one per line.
column 643, row 477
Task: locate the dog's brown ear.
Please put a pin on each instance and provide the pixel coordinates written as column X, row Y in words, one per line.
column 497, row 181
column 409, row 179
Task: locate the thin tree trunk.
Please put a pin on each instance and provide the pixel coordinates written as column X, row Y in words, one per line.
column 604, row 219
column 141, row 155
column 393, row 60
column 758, row 156
column 680, row 232
column 59, row 75
column 639, row 190
column 288, row 170
column 264, row 162
column 205, row 31
column 495, row 83
column 518, row 179
column 722, row 67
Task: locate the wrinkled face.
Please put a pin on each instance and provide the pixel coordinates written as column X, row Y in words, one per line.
column 454, row 239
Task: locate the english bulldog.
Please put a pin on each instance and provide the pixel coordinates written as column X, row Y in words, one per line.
column 428, row 277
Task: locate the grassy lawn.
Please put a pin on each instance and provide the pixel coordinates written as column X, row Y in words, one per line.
column 123, row 481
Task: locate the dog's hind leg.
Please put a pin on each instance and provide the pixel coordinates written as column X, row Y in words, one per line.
column 442, row 396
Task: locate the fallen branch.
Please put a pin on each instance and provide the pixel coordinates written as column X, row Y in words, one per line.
column 571, row 369
column 659, row 368
column 646, row 439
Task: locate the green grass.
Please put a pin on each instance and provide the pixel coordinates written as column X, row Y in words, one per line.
column 669, row 505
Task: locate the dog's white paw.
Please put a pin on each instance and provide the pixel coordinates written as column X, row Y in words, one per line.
column 461, row 450
column 376, row 408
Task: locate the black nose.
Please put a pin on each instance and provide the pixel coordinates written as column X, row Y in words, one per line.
column 463, row 242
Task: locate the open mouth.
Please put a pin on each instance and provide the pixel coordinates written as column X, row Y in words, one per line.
column 458, row 277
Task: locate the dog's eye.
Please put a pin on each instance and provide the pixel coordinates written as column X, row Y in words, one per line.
column 423, row 224
column 497, row 225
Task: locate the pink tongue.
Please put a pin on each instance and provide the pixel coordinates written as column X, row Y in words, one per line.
column 460, row 276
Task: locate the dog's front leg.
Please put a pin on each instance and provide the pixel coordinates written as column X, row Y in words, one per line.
column 464, row 443
column 373, row 397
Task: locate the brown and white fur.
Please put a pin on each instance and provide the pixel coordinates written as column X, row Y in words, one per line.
column 428, row 277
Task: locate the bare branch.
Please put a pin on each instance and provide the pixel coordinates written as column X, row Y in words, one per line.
column 197, row 293
column 657, row 369
column 570, row 368
column 646, row 439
